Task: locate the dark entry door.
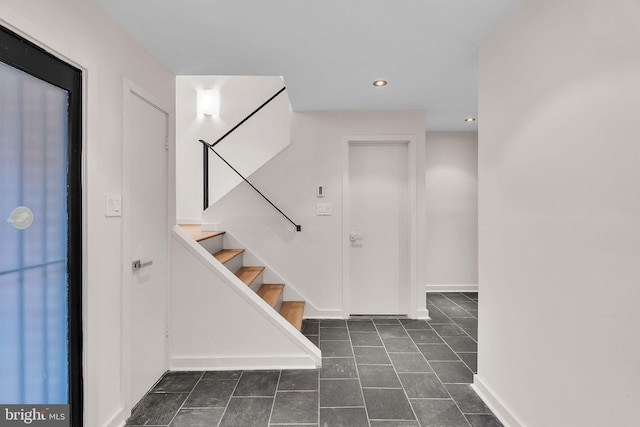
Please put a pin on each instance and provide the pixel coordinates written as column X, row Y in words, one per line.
column 40, row 234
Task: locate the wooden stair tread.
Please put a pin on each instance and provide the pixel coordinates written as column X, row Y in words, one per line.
column 249, row 274
column 293, row 312
column 196, row 233
column 227, row 254
column 270, row 293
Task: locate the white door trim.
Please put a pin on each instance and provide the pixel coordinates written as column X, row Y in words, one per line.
column 411, row 141
column 129, row 88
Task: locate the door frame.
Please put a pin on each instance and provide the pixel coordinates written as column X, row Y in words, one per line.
column 412, row 166
column 131, row 89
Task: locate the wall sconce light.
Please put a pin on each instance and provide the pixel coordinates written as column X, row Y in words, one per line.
column 208, row 102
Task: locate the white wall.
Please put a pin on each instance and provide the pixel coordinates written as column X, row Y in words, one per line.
column 311, row 261
column 247, row 148
column 79, row 32
column 451, row 185
column 559, row 214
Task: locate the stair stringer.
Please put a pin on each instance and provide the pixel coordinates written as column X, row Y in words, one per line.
column 271, row 276
column 217, row 322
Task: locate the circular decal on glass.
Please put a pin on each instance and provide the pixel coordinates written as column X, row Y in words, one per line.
column 21, row 217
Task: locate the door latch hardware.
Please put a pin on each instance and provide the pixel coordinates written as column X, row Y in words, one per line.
column 355, row 237
column 137, row 264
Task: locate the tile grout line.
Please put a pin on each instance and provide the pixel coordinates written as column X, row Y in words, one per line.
column 451, row 348
column 443, row 384
column 364, row 403
column 186, row 398
column 230, row 397
column 415, row 417
column 275, row 394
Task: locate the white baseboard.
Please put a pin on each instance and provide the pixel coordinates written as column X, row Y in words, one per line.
column 493, row 402
column 226, row 363
column 455, row 287
column 315, row 313
column 421, row 314
column 117, row 420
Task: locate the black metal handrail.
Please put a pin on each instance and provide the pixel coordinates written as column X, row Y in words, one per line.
column 205, row 162
column 210, row 146
column 248, row 117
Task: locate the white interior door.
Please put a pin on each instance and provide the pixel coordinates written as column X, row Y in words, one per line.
column 379, row 221
column 146, row 127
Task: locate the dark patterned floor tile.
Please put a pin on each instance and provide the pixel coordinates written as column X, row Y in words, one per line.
column 371, row 356
column 178, row 382
column 334, row 334
column 303, row 379
column 365, row 339
column 361, row 326
column 387, row 404
column 425, row 336
column 432, row 412
column 157, row 409
column 409, row 324
column 471, row 360
column 400, row 345
column 435, row 352
column 247, row 412
column 392, row 331
column 343, row 417
column 257, row 383
column 340, row 393
column 378, row 376
column 336, row 348
column 222, row 375
column 452, row 372
column 483, row 420
column 295, row 407
column 201, row 417
column 409, row 362
column 425, row 386
column 210, row 394
column 467, row 399
column 340, row 367
column 465, row 344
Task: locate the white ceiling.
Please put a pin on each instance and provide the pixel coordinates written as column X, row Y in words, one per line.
column 329, row 51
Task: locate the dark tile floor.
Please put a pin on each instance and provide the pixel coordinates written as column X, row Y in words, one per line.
column 376, row 372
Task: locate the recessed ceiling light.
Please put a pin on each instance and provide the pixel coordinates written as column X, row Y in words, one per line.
column 470, row 119
column 380, row 83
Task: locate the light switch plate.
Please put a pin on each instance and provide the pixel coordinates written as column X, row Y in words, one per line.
column 113, row 205
column 324, row 209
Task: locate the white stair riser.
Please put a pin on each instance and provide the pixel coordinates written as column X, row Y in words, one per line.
column 279, row 303
column 255, row 285
column 235, row 263
column 213, row 244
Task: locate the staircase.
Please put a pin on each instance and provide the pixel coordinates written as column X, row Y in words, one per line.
column 251, row 276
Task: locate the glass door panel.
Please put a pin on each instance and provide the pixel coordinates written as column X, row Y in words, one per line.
column 34, row 350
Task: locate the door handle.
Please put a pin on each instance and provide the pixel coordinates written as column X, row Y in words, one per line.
column 355, row 237
column 137, row 264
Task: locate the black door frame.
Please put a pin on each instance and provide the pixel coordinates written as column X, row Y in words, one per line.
column 20, row 53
